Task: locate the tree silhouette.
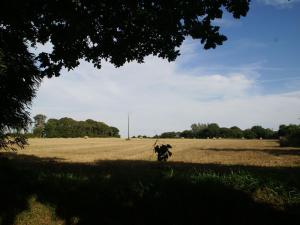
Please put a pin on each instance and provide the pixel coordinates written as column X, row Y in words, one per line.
column 163, row 152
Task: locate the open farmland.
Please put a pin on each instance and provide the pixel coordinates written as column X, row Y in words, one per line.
column 114, row 181
column 229, row 152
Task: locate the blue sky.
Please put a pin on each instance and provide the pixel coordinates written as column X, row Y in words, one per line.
column 267, row 41
column 254, row 78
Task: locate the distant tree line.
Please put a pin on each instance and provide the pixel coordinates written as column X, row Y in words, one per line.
column 70, row 128
column 140, row 136
column 289, row 135
column 213, row 130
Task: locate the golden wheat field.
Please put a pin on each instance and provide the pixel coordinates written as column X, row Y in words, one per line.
column 227, row 152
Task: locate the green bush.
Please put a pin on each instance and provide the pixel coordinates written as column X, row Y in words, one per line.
column 292, row 139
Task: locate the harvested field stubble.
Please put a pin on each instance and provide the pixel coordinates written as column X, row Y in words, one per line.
column 229, row 151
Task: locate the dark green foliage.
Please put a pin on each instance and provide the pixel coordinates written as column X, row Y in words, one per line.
column 140, row 136
column 117, row 31
column 187, row 134
column 270, row 134
column 233, row 132
column 198, row 129
column 249, row 134
column 169, row 135
column 258, row 131
column 286, row 130
column 19, row 79
column 236, row 132
column 67, row 127
column 214, row 131
column 163, row 152
column 261, row 132
column 289, row 135
column 114, row 132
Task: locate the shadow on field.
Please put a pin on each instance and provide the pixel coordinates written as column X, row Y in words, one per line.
column 142, row 192
column 271, row 151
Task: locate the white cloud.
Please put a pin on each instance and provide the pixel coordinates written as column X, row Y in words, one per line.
column 227, row 22
column 160, row 98
column 280, row 3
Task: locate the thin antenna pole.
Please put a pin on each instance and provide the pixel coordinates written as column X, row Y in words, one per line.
column 128, row 127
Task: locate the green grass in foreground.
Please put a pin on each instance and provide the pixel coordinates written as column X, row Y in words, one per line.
column 39, row 191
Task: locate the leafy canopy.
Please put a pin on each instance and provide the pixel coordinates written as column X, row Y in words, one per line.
column 118, row 31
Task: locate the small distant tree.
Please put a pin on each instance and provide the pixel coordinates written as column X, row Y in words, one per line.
column 39, row 125
column 40, row 120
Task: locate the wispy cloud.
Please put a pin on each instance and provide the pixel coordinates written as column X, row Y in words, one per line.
column 280, row 3
column 227, row 22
